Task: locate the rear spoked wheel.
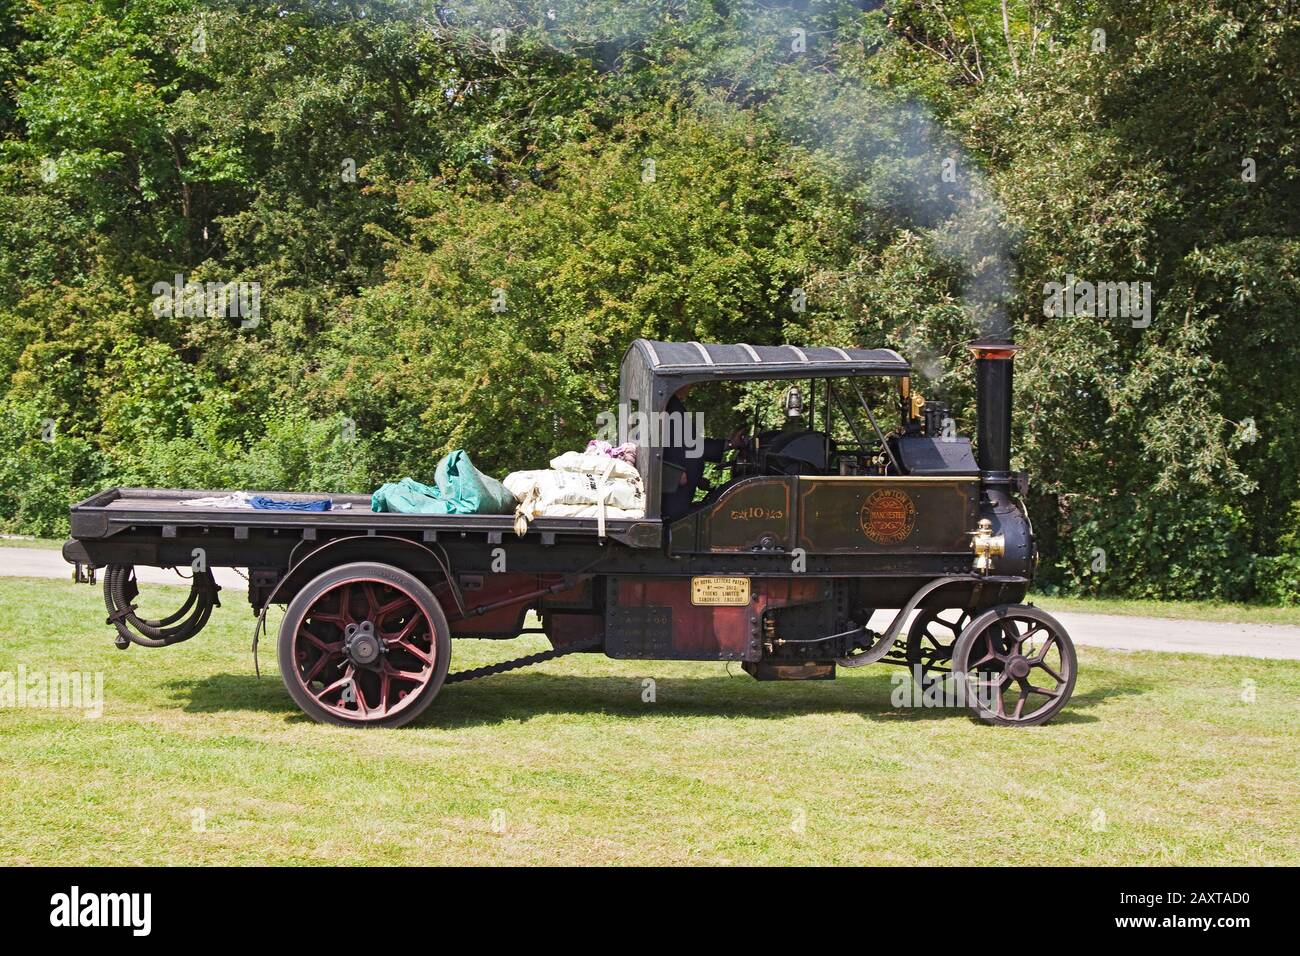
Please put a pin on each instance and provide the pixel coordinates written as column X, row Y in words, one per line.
column 930, row 642
column 1017, row 664
column 364, row 645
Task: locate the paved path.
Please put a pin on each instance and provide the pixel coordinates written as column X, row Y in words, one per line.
column 48, row 563
column 1167, row 634
column 1093, row 630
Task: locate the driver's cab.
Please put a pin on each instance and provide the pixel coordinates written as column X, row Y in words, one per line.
column 815, row 433
column 795, row 448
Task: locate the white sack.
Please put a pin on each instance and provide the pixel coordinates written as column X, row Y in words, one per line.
column 541, row 490
column 599, row 465
column 577, row 494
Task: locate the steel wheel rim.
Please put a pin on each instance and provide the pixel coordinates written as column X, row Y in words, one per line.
column 328, row 667
column 1006, row 665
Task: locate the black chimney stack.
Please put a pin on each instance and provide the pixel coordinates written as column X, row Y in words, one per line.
column 993, row 358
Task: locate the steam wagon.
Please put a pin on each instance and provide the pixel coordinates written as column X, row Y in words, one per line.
column 814, row 527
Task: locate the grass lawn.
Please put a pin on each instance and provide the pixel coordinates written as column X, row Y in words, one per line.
column 46, row 544
column 1179, row 610
column 1158, row 759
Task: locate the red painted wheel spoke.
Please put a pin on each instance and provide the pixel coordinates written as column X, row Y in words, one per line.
column 316, row 668
column 1026, row 689
column 404, row 635
column 415, row 676
column 412, row 649
column 372, row 601
column 345, row 616
column 338, row 685
column 326, row 647
column 401, row 600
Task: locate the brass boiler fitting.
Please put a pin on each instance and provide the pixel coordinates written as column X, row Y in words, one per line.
column 986, row 545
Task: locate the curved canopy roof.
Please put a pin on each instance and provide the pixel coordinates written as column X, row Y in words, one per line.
column 696, row 359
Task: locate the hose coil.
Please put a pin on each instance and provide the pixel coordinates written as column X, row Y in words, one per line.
column 121, row 589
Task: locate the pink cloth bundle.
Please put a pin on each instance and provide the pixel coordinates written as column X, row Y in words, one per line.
column 625, row 453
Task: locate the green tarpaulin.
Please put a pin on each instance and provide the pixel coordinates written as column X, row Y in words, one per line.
column 461, row 489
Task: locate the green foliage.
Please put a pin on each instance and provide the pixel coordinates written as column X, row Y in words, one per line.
column 141, row 139
column 708, row 250
column 282, row 453
column 42, row 471
column 1277, row 578
column 1177, row 546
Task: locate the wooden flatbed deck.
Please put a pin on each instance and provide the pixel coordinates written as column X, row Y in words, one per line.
column 116, row 510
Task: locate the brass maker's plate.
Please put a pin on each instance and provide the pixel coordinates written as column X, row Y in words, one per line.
column 727, row 592
column 888, row 516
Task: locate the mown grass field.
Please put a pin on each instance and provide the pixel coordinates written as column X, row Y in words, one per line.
column 1160, row 759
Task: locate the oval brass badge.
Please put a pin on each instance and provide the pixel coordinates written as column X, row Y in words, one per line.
column 888, row 516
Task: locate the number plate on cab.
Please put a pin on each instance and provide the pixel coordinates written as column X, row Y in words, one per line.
column 729, row 592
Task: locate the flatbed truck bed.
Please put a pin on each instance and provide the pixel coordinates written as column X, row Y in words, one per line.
column 158, row 514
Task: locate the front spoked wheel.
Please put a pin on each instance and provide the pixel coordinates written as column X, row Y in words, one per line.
column 1017, row 666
